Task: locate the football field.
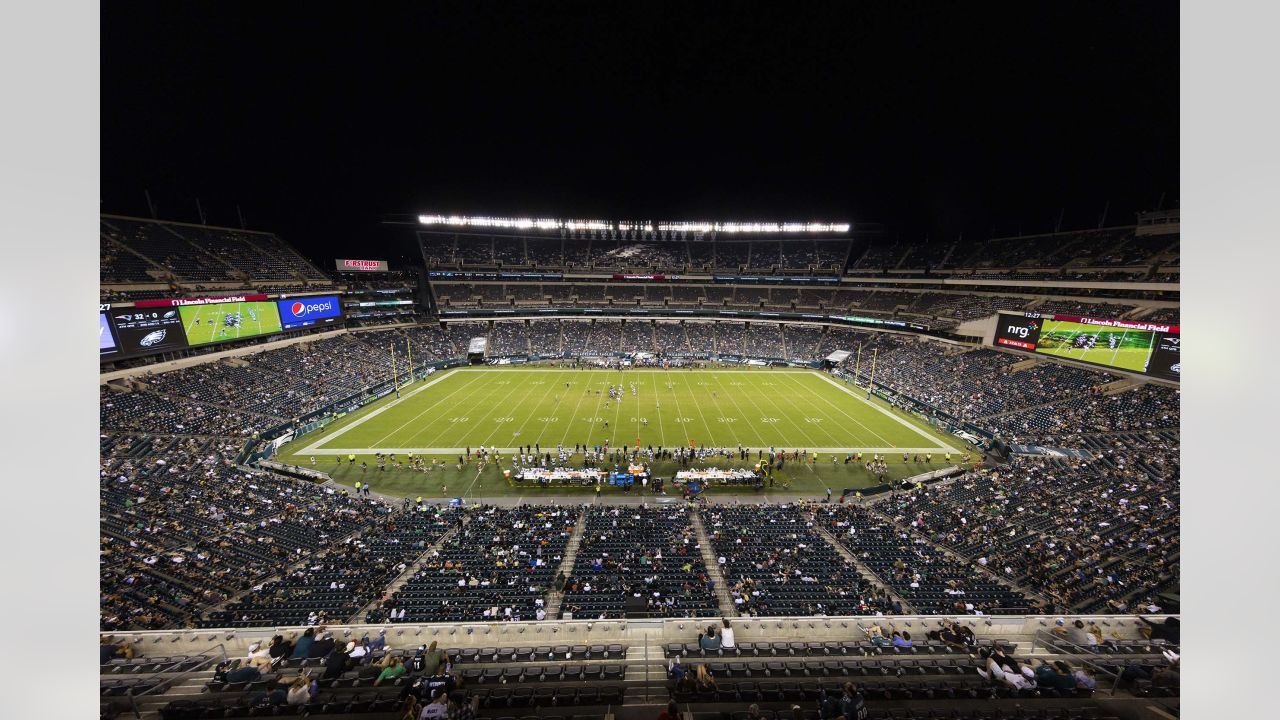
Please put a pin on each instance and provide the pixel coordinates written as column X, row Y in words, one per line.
column 507, row 408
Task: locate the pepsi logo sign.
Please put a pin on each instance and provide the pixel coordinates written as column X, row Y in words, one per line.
column 299, row 309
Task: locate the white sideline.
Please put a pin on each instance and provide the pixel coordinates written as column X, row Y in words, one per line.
column 314, row 448
column 888, row 414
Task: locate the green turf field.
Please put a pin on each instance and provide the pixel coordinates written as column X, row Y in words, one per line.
column 205, row 324
column 449, row 412
column 1132, row 351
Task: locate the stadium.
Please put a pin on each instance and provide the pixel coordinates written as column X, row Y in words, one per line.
column 633, row 361
column 569, row 454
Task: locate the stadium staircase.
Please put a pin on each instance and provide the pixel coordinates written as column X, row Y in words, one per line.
column 409, row 571
column 862, row 568
column 555, row 596
column 727, row 608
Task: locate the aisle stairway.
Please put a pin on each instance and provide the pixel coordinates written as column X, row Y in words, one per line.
column 555, row 596
column 862, row 568
column 409, row 571
column 723, row 597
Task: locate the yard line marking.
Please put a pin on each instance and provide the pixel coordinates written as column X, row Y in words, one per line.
column 366, row 418
column 662, row 435
column 754, row 427
column 550, row 386
column 824, row 428
column 888, row 414
column 679, row 413
column 617, row 413
column 439, row 406
column 854, row 419
column 424, row 412
column 780, row 412
column 503, row 404
column 569, row 424
column 698, row 406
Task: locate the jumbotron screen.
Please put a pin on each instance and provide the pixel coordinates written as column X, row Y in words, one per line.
column 1132, row 345
column 144, row 331
column 223, row 322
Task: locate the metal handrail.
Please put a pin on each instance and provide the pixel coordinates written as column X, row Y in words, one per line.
column 168, row 683
column 1078, row 653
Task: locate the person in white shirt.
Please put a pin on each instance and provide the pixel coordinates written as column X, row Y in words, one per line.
column 726, row 636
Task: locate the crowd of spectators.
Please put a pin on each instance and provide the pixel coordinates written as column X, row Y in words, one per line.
column 182, row 528
column 639, row 553
column 1096, row 536
column 775, row 562
column 930, row 581
column 933, row 308
column 497, row 566
column 970, row 385
column 1066, row 422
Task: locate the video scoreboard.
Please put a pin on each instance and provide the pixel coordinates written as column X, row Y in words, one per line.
column 155, row 326
column 1132, row 345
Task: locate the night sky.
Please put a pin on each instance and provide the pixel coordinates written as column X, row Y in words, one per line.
column 935, row 119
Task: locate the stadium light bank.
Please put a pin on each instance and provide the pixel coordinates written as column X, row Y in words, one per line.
column 551, row 224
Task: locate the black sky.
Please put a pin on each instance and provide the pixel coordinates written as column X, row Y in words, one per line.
column 934, row 118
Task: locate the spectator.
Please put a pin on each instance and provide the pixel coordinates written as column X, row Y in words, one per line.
column 708, row 640
column 391, row 672
column 1052, row 676
column 322, row 647
column 852, row 705
column 677, row 670
column 299, row 691
column 1167, row 677
column 303, row 648
column 335, row 663
column 704, row 682
column 260, row 656
column 726, row 635
column 828, row 705
column 1084, row 678
column 901, row 638
column 1074, row 633
column 461, row 707
column 244, row 673
column 434, row 660
column 670, row 712
column 280, row 648
column 1168, row 630
column 437, row 708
